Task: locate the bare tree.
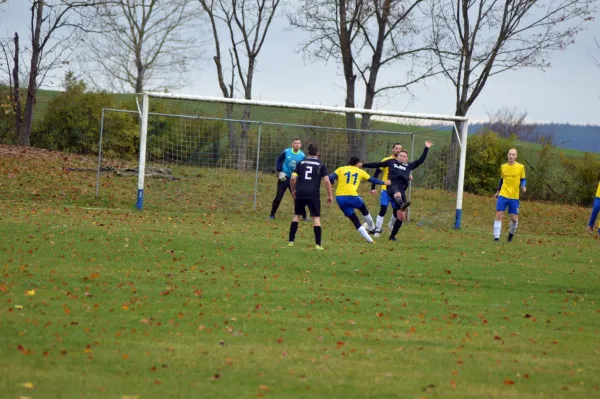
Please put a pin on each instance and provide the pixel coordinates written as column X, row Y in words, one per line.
column 247, row 23
column 477, row 39
column 11, row 55
column 366, row 36
column 55, row 28
column 143, row 43
column 506, row 122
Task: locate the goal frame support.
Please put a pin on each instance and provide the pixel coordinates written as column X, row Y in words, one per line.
column 463, row 121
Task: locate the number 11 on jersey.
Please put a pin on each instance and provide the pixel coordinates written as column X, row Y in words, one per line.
column 355, row 175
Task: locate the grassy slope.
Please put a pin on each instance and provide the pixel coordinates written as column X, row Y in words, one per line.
column 198, row 297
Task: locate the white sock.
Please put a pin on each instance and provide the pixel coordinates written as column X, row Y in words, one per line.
column 369, row 221
column 513, row 227
column 392, row 221
column 497, row 228
column 379, row 222
column 363, row 232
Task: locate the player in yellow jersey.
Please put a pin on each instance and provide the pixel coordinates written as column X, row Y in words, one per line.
column 384, row 198
column 512, row 179
column 595, row 211
column 346, row 194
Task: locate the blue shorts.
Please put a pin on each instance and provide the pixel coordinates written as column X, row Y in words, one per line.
column 512, row 204
column 384, row 198
column 348, row 203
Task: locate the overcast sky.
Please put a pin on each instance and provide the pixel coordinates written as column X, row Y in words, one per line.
column 569, row 91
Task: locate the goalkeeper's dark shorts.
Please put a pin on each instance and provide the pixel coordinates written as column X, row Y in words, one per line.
column 313, row 204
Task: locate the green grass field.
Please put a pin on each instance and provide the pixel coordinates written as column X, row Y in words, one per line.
column 199, row 296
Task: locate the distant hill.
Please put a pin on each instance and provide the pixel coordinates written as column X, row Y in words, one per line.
column 565, row 135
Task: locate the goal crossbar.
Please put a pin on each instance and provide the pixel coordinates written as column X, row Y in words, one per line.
column 306, row 106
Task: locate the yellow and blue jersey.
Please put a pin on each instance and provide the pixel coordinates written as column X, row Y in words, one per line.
column 511, row 179
column 348, row 179
column 385, row 170
column 598, row 191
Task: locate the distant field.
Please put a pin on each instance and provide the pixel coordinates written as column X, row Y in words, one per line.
column 199, row 296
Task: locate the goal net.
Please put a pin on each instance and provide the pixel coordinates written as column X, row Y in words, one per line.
column 217, row 152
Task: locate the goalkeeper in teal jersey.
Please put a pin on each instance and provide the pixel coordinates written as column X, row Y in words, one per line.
column 285, row 165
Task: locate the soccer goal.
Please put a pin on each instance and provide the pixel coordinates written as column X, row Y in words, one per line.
column 228, row 148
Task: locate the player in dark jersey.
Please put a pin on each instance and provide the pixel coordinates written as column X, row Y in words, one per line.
column 399, row 171
column 306, row 190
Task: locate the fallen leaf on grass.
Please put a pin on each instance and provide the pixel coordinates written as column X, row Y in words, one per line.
column 30, row 292
column 27, row 385
column 509, row 382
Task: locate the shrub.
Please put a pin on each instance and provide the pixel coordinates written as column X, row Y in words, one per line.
column 485, row 153
column 72, row 120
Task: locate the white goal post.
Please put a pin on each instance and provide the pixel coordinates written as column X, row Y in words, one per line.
column 459, row 126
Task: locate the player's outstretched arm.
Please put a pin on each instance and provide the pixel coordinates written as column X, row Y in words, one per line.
column 375, row 164
column 380, row 182
column 419, row 162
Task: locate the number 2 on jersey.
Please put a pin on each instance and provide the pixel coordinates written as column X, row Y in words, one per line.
column 308, row 173
column 347, row 174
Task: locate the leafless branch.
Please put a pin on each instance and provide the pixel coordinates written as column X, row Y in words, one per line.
column 145, row 44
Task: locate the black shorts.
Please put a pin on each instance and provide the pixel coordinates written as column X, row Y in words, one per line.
column 395, row 188
column 313, row 204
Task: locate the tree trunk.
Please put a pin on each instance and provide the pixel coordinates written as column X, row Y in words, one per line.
column 139, row 80
column 231, row 133
column 25, row 131
column 351, row 134
column 216, row 147
column 243, row 150
column 353, row 149
column 365, row 123
column 350, row 77
column 16, row 100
